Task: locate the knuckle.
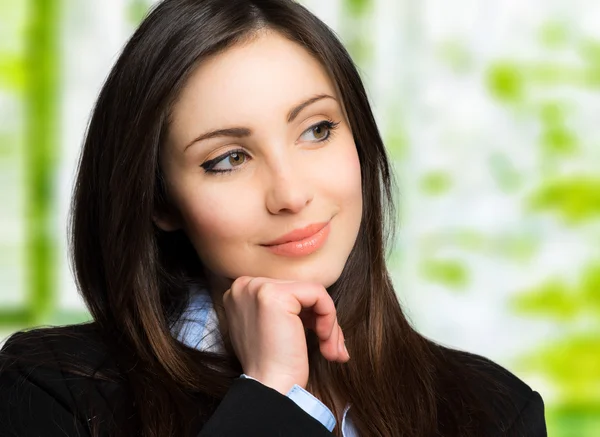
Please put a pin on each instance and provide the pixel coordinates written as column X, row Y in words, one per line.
column 275, row 294
column 252, row 285
column 239, row 283
column 320, row 290
column 325, row 299
column 264, row 293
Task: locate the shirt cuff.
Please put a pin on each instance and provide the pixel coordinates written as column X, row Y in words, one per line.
column 310, row 404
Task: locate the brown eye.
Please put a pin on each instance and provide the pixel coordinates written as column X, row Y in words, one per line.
column 226, row 162
column 237, row 159
column 320, row 132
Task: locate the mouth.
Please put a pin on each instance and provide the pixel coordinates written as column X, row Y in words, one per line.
column 301, row 242
column 298, row 234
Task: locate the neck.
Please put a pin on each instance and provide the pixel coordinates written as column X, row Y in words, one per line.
column 217, row 285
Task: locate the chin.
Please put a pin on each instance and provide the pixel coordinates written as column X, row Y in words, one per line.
column 312, row 272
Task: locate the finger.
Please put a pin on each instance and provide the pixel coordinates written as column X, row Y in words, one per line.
column 315, row 298
column 344, row 355
column 308, row 319
column 240, row 283
column 312, row 296
column 330, row 348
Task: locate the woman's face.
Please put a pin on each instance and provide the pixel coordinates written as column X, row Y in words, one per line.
column 258, row 147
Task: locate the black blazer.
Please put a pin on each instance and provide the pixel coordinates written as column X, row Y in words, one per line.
column 39, row 400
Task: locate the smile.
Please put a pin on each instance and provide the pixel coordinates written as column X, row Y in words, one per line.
column 303, row 246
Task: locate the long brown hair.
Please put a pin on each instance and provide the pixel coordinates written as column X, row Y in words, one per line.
column 135, row 278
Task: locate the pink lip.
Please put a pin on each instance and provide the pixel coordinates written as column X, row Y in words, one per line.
column 298, row 234
column 301, row 241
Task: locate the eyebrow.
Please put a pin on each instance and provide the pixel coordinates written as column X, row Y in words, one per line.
column 243, row 132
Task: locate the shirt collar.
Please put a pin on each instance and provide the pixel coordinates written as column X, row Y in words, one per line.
column 198, row 325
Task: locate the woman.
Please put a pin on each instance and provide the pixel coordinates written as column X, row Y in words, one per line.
column 229, row 217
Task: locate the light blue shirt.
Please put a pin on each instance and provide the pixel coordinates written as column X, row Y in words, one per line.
column 198, row 328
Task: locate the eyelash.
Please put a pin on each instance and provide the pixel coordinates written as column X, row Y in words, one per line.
column 209, row 165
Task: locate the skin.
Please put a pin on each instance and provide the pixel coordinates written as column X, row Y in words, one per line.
column 286, row 178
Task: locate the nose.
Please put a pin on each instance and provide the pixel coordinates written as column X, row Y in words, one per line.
column 289, row 191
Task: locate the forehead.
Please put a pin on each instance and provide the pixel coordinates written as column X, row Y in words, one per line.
column 266, row 75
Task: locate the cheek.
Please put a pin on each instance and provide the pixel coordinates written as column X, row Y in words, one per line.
column 354, row 174
column 353, row 193
column 343, row 175
column 213, row 222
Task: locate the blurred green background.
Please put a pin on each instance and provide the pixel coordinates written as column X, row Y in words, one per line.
column 490, row 110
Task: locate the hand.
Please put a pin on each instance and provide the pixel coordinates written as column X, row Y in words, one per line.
column 267, row 318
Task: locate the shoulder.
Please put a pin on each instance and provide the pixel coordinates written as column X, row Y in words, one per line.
column 73, row 341
column 59, row 376
column 495, row 373
column 506, row 405
column 69, row 349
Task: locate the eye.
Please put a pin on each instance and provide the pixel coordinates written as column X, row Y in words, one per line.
column 319, row 132
column 226, row 162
